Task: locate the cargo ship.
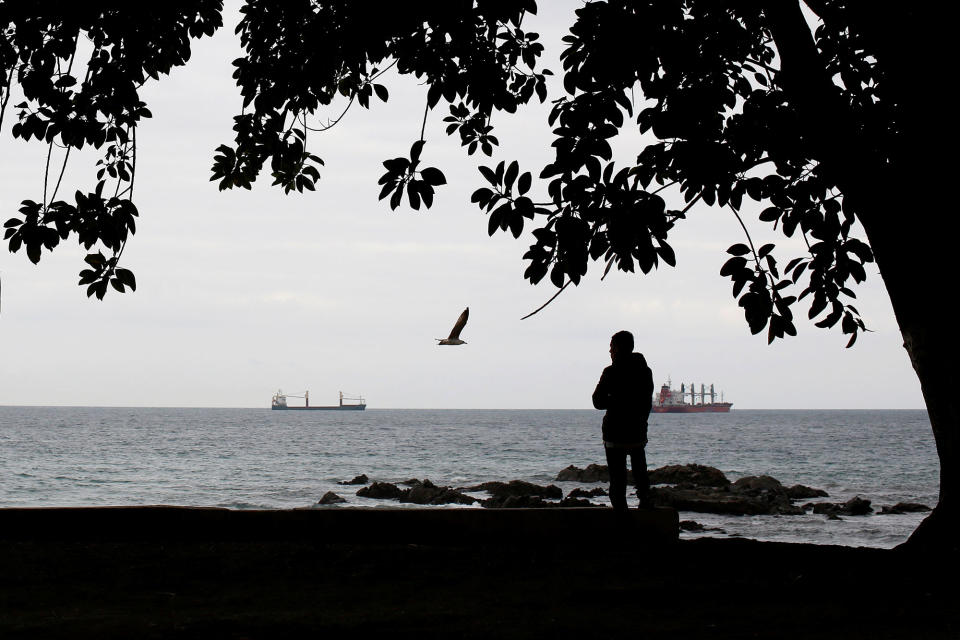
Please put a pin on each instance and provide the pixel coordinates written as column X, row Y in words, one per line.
column 673, row 401
column 279, row 402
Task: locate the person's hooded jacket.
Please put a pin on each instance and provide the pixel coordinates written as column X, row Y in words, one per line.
column 625, row 390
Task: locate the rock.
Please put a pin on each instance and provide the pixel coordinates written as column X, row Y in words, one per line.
column 723, row 501
column 583, row 493
column 593, row 473
column 514, row 502
column 534, row 502
column 758, row 485
column 901, row 507
column 693, row 474
column 517, row 488
column 855, row 506
column 800, row 492
column 412, row 481
column 573, row 502
column 360, row 479
column 690, row 525
column 381, row 491
column 330, row 498
column 427, row 493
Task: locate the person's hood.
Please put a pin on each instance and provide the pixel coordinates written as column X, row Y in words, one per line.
column 632, row 360
column 638, row 361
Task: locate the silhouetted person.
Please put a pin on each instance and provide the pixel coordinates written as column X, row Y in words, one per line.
column 625, row 390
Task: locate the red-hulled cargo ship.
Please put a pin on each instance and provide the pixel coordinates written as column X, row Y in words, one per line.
column 674, row 401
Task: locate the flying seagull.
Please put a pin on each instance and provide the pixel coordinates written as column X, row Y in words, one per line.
column 454, row 337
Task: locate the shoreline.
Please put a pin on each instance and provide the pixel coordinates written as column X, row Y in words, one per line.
column 154, row 575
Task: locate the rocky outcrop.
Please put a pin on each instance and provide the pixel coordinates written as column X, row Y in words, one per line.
column 428, row 493
column 800, row 492
column 705, row 489
column 903, row 507
column 330, row 498
column 692, row 526
column 518, row 488
column 723, row 500
column 381, row 491
column 694, row 474
column 571, row 501
column 855, row 506
column 688, row 487
column 422, row 492
column 583, row 493
column 533, row 502
column 750, row 495
column 360, row 479
column 758, row 485
column 593, row 473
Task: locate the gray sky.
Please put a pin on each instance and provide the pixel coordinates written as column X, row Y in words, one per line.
column 240, row 292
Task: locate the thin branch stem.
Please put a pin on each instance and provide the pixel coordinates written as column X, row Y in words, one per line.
column 385, row 69
column 6, row 94
column 332, row 124
column 133, row 169
column 762, row 65
column 46, row 174
column 745, row 232
column 756, row 258
column 63, row 169
column 688, row 207
column 666, row 186
column 423, row 127
column 552, row 298
column 347, row 108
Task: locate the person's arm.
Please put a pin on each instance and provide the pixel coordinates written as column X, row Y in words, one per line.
column 601, row 395
column 649, row 389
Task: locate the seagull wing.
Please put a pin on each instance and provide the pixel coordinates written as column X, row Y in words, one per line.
column 458, row 327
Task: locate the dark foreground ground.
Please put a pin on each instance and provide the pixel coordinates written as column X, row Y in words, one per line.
column 174, row 583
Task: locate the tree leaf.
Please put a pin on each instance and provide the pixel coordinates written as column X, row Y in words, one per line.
column 433, row 176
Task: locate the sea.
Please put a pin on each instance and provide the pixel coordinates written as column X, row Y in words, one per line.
column 263, row 459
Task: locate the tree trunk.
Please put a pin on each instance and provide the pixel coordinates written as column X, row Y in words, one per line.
column 912, row 227
column 908, row 261
column 902, row 200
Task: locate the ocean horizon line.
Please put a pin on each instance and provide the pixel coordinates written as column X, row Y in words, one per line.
column 267, row 408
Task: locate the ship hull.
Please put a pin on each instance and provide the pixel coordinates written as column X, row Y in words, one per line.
column 346, row 407
column 717, row 407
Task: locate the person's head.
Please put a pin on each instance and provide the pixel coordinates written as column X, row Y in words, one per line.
column 621, row 344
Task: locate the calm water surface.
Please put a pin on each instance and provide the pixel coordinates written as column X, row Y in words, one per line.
column 256, row 458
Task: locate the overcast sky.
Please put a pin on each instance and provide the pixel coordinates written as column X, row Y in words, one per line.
column 241, row 293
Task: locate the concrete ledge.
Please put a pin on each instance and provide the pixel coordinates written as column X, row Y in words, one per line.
column 337, row 525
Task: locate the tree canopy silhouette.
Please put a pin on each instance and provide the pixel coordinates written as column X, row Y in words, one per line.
column 810, row 110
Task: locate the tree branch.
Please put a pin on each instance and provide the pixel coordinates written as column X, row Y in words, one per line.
column 552, row 298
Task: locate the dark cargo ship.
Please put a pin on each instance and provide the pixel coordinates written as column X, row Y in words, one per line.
column 279, row 402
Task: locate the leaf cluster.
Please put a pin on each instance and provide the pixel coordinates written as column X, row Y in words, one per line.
column 404, row 174
column 70, row 103
column 302, row 56
column 725, row 131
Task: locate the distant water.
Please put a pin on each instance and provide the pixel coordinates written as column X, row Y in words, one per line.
column 257, row 458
